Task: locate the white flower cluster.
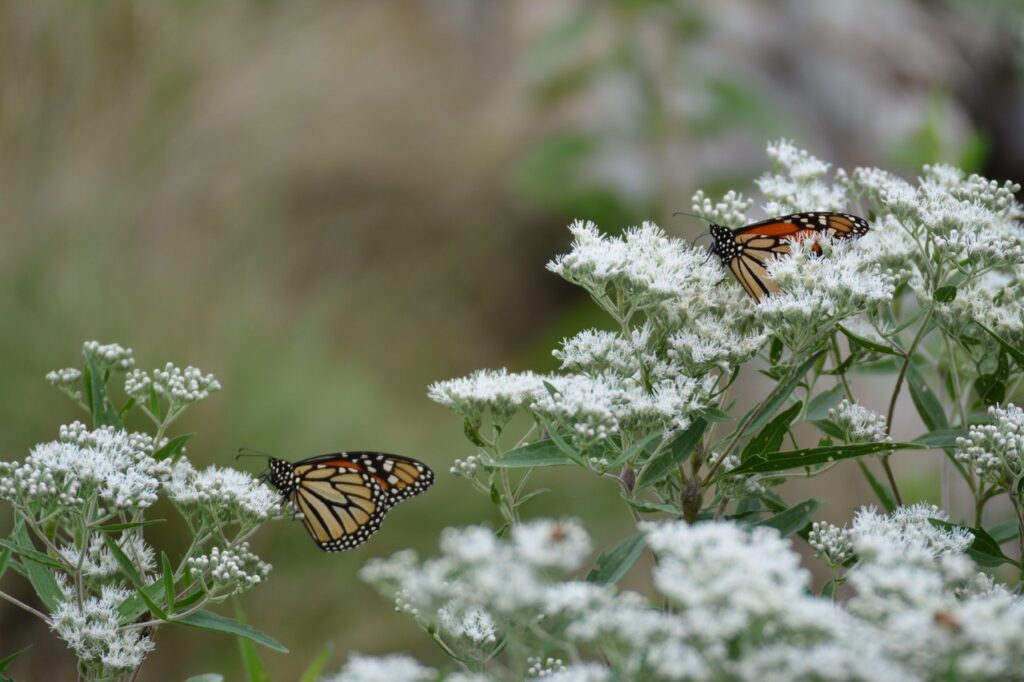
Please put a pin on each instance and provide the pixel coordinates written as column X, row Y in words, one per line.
column 111, row 355
column 394, row 668
column 226, row 494
column 496, row 391
column 731, row 211
column 831, row 541
column 180, row 386
column 995, row 300
column 98, row 561
column 740, row 605
column 93, row 632
column 64, row 378
column 996, row 451
column 820, row 290
column 860, row 424
column 797, row 183
column 234, row 570
column 114, row 465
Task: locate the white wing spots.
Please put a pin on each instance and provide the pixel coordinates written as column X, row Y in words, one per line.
column 822, row 220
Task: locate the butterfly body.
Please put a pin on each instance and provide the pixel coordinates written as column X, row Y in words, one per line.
column 344, row 496
column 746, row 251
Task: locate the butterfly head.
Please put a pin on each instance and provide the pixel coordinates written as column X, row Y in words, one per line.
column 281, row 475
column 724, row 245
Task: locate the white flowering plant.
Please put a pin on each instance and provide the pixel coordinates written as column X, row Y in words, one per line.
column 82, row 503
column 932, row 297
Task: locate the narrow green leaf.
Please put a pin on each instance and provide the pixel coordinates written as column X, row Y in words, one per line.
column 882, row 491
column 1004, row 532
column 780, row 394
column 172, row 448
column 926, row 402
column 830, row 428
column 867, row 343
column 771, row 436
column 945, row 294
column 103, row 411
column 35, row 570
column 6, row 660
column 794, row 519
column 1011, row 349
column 5, row 560
column 646, row 507
column 530, row 495
column 473, row 433
column 820, row 404
column 984, row 550
column 168, row 580
column 207, row 620
column 255, row 671
column 31, row 554
column 557, row 439
column 775, row 350
column 136, row 604
column 132, row 573
column 314, row 671
column 612, row 565
column 712, row 415
column 128, row 404
column 541, row 453
column 677, row 451
column 990, row 389
column 117, row 527
column 780, row 461
column 154, row 403
column 630, row 453
column 941, row 438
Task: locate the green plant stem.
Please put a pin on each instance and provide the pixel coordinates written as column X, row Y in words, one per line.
column 837, row 356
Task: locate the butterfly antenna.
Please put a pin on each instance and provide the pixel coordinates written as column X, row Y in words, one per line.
column 692, row 215
column 249, row 452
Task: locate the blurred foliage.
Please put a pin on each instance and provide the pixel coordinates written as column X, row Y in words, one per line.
column 312, row 200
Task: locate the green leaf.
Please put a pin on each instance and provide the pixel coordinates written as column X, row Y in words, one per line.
column 207, row 620
column 154, row 403
column 771, row 436
column 926, row 402
column 713, row 414
column 255, row 671
column 128, row 404
column 542, row 453
column 940, row 438
column 647, row 507
column 530, row 495
column 984, row 550
column 1004, row 532
column 780, row 394
column 132, row 573
column 472, row 432
column 882, row 491
column 830, row 428
column 867, row 343
column 630, row 453
column 820, row 404
column 31, row 554
column 103, row 411
column 775, row 350
column 35, row 567
column 553, row 434
column 677, row 451
column 168, row 580
column 314, row 671
column 135, row 605
column 611, row 566
column 945, row 294
column 118, row 527
column 7, row 660
column 172, row 448
column 794, row 519
column 990, row 389
column 1011, row 350
column 780, row 461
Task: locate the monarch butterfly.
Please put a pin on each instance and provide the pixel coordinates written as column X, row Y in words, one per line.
column 344, row 496
column 746, row 250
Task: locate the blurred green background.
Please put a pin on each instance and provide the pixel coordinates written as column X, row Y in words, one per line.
column 330, row 204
